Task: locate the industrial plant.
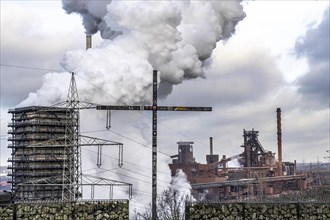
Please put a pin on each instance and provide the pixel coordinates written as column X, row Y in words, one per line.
column 46, row 163
column 259, row 173
column 46, row 160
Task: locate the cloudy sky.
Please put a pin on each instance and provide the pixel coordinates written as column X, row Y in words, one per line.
column 277, row 57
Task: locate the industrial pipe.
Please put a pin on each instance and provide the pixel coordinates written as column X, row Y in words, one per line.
column 211, row 145
column 279, row 142
column 88, row 41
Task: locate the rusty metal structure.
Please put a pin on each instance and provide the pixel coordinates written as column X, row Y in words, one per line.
column 279, row 142
column 259, row 173
column 254, row 154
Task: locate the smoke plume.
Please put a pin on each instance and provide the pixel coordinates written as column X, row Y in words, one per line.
column 180, row 184
column 174, row 37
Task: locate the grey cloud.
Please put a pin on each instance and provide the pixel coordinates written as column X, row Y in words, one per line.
column 16, row 80
column 17, row 83
column 20, row 46
column 248, row 79
column 238, row 89
column 314, row 85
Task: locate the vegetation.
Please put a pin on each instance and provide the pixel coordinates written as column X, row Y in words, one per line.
column 171, row 206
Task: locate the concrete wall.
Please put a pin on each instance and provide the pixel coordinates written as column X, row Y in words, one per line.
column 249, row 211
column 94, row 210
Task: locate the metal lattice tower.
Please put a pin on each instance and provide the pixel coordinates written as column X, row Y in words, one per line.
column 72, row 149
column 46, row 152
column 73, row 177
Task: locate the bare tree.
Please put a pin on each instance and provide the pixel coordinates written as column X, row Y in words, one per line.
column 171, row 206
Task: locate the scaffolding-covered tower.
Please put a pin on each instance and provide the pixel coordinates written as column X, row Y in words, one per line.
column 46, row 152
column 40, row 156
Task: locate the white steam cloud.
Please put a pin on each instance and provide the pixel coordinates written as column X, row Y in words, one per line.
column 174, row 37
column 180, row 184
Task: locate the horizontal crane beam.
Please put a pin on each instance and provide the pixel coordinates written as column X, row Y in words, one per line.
column 150, row 108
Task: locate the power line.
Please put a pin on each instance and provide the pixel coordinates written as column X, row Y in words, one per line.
column 135, row 165
column 141, row 180
column 104, row 170
column 96, row 87
column 26, row 67
column 135, row 172
column 139, row 143
column 124, row 175
column 101, row 90
column 127, row 139
column 16, row 66
column 140, row 112
column 126, row 162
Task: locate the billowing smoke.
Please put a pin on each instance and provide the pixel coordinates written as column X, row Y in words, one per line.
column 92, row 13
column 180, row 184
column 174, row 37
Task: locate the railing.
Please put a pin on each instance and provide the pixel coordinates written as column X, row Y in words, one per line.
column 38, row 122
column 27, row 160
column 37, row 130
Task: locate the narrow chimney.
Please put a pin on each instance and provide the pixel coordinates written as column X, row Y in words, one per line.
column 279, row 142
column 211, row 145
column 88, row 41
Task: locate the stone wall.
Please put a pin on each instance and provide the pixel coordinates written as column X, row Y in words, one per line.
column 249, row 211
column 87, row 210
column 6, row 212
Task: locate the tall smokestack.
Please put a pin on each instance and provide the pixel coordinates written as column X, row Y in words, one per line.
column 212, row 158
column 211, row 145
column 279, row 141
column 88, row 41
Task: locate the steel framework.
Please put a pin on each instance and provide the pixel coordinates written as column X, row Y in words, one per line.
column 46, row 151
column 253, row 150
